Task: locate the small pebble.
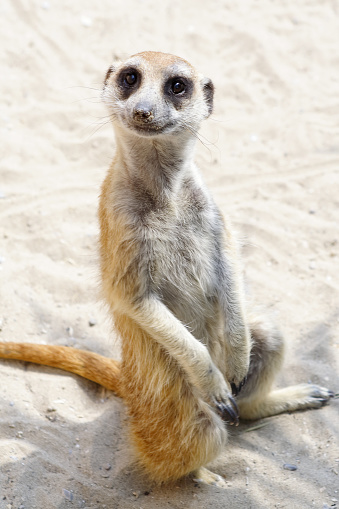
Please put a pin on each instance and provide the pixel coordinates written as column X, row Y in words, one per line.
column 70, row 331
column 107, row 466
column 68, row 495
column 287, row 466
column 92, row 322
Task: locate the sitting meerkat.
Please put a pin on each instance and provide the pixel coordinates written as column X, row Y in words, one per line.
column 193, row 357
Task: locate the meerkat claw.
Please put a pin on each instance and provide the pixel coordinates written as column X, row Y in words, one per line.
column 237, row 388
column 229, row 413
column 324, row 401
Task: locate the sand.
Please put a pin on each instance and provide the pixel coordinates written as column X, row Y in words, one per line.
column 270, row 155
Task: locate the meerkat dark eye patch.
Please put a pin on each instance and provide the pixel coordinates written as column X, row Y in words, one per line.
column 128, row 81
column 178, row 89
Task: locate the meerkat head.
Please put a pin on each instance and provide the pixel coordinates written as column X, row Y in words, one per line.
column 156, row 93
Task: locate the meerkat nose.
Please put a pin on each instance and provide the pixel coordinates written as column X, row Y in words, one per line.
column 143, row 112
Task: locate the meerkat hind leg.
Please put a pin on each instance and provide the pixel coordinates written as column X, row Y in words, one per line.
column 205, row 476
column 257, row 400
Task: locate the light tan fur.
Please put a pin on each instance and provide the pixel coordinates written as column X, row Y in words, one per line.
column 171, row 278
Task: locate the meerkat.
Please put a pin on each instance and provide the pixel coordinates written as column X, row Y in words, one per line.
column 194, row 358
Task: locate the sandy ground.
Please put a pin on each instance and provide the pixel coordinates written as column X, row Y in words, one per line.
column 270, row 154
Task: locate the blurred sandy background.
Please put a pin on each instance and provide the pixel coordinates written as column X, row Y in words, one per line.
column 270, row 154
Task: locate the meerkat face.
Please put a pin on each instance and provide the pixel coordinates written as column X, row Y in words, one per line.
column 157, row 93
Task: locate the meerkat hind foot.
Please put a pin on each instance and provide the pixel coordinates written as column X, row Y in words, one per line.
column 289, row 399
column 300, row 397
column 205, row 476
column 309, row 396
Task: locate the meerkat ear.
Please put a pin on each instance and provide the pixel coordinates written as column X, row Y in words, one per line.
column 108, row 73
column 115, row 65
column 208, row 91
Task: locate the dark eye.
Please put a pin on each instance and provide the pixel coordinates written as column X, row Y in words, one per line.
column 178, row 87
column 130, row 79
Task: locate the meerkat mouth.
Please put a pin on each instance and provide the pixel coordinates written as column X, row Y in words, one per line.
column 151, row 130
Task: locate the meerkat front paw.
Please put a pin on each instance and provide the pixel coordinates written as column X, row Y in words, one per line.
column 237, row 366
column 238, row 361
column 228, row 410
column 220, row 397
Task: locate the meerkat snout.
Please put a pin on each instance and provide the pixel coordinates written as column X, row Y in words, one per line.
column 143, row 112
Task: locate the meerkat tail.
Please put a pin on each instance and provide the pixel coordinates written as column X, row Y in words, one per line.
column 97, row 368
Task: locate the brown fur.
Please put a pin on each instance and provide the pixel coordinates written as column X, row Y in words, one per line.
column 171, row 277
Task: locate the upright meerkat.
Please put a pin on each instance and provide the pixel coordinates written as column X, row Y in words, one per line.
column 171, row 278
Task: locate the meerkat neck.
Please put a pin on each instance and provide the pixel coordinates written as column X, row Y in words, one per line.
column 161, row 163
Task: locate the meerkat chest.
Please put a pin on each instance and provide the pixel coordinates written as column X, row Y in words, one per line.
column 175, row 247
column 183, row 254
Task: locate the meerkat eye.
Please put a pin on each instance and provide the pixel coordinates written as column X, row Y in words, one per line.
column 131, row 79
column 178, row 87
